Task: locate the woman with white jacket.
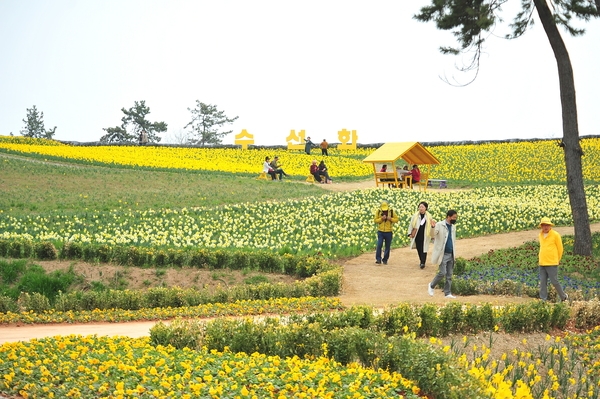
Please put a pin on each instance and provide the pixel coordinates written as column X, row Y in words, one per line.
column 419, row 231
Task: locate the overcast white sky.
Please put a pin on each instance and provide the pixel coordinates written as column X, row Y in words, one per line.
column 317, row 65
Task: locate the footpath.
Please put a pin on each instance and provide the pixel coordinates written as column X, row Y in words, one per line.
column 365, row 283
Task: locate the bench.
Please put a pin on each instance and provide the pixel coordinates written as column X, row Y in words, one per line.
column 390, row 178
column 443, row 183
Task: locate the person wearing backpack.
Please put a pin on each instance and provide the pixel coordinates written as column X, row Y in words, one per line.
column 385, row 217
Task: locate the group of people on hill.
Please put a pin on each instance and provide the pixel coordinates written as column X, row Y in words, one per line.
column 308, row 145
column 415, row 172
column 422, row 229
column 274, row 169
column 320, row 172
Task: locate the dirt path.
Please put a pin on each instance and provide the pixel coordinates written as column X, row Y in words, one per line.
column 401, row 280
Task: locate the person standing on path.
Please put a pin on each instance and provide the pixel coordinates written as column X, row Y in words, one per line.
column 385, row 217
column 444, row 235
column 551, row 251
column 419, row 231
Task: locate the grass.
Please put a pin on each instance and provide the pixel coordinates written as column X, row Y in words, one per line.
column 32, row 187
column 18, row 276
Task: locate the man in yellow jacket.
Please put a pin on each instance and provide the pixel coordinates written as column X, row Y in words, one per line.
column 385, row 217
column 551, row 251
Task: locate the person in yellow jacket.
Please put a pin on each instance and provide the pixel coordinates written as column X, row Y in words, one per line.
column 385, row 217
column 551, row 251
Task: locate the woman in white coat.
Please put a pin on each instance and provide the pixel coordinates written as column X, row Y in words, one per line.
column 419, row 231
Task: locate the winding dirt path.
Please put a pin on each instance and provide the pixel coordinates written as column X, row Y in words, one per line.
column 366, row 283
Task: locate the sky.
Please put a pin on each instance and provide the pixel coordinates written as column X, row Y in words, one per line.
column 316, row 65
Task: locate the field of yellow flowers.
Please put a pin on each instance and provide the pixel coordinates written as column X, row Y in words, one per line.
column 523, row 182
column 523, row 162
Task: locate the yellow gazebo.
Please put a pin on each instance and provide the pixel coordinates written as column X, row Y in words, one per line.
column 412, row 152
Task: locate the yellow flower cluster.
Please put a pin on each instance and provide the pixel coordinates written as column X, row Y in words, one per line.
column 507, row 162
column 238, row 308
column 231, row 160
column 90, row 367
column 561, row 368
column 524, row 162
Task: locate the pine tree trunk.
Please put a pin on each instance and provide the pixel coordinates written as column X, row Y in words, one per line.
column 570, row 143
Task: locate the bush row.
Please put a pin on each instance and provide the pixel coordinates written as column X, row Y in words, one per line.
column 424, row 321
column 268, row 262
column 385, row 340
column 432, row 369
column 240, row 308
column 326, row 283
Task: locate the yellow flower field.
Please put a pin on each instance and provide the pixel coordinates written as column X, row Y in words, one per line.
column 519, row 162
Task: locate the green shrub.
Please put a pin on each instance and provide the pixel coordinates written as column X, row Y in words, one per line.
column 179, row 257
column 35, row 280
column 430, row 325
column 460, row 265
column 452, row 319
column 11, row 270
column 202, row 259
column 465, row 286
column 104, row 253
column 4, row 247
column 560, row 316
column 7, row 304
column 180, row 334
column 487, row 320
column 72, row 250
column 45, row 250
column 398, row 320
column 161, row 258
column 15, row 249
column 587, row 314
column 35, row 302
column 164, row 297
column 72, row 301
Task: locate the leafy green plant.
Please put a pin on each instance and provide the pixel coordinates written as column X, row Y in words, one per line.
column 45, row 250
column 256, row 279
column 35, row 280
column 11, row 270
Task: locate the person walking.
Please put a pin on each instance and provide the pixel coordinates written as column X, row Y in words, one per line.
column 385, row 217
column 444, row 234
column 419, row 231
column 551, row 251
column 324, row 146
column 309, row 144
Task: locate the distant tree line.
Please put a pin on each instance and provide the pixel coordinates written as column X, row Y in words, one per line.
column 204, row 127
